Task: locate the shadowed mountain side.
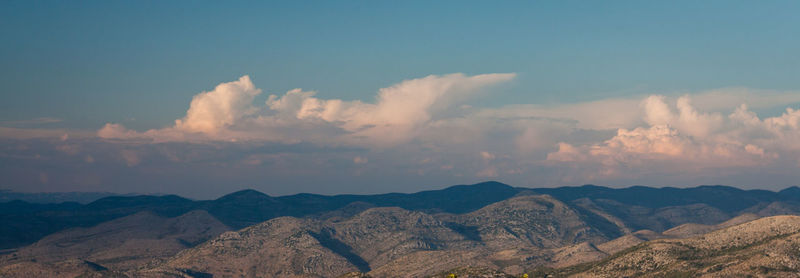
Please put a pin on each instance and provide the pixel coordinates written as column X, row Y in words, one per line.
column 25, row 223
column 634, row 217
column 69, row 268
column 726, row 198
column 53, row 197
column 125, row 242
column 260, row 207
column 325, row 238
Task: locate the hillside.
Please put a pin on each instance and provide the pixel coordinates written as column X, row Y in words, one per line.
column 764, row 247
column 618, row 211
column 121, row 244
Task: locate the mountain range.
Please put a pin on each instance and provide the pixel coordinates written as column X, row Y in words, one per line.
column 488, row 227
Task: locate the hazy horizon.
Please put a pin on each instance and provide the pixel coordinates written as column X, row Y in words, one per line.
column 429, row 188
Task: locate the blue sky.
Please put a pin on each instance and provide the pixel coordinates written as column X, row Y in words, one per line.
column 73, row 67
column 91, row 62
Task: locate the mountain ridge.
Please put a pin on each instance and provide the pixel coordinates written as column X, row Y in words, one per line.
column 247, row 207
column 490, row 225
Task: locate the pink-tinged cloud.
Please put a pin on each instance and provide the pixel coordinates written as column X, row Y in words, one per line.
column 679, row 138
column 228, row 113
column 228, row 103
column 434, row 128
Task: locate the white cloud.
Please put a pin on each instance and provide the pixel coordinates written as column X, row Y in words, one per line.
column 228, row 113
column 210, row 112
column 431, row 119
column 680, row 138
column 428, row 131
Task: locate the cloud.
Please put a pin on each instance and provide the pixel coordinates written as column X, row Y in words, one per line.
column 606, row 139
column 429, row 130
column 117, row 131
column 32, row 133
column 130, row 157
column 32, row 122
column 228, row 103
column 399, row 111
column 360, row 160
column 679, row 138
column 489, row 172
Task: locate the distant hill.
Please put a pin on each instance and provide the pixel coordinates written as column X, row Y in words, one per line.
column 52, row 197
column 126, row 242
column 765, row 247
column 27, row 222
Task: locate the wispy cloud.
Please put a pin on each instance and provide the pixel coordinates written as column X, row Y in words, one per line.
column 31, row 122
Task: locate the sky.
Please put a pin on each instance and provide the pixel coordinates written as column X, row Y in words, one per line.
column 204, row 98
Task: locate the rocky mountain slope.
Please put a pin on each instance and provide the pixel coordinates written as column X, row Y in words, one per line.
column 632, row 208
column 281, row 247
column 26, row 223
column 513, row 234
column 766, row 247
column 485, row 226
column 121, row 244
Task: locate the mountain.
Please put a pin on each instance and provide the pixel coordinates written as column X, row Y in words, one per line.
column 121, row 244
column 288, row 246
column 764, row 247
column 384, row 241
column 725, row 198
column 513, row 235
column 629, row 207
column 26, row 222
column 535, row 220
column 488, row 226
column 53, row 197
column 281, row 247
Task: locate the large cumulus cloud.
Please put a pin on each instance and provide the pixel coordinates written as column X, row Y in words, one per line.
column 677, row 138
column 228, row 113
